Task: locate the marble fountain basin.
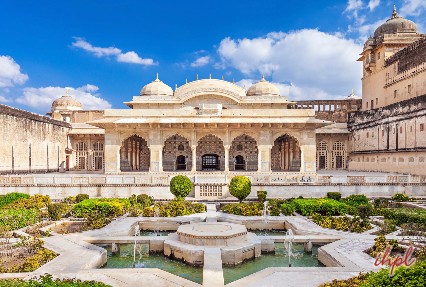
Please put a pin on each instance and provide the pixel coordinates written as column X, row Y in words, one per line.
column 191, row 241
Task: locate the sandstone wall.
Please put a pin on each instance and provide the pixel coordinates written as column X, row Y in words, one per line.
column 30, row 142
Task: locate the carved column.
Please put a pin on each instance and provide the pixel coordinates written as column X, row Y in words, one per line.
column 264, row 164
column 227, row 157
column 112, row 152
column 194, row 158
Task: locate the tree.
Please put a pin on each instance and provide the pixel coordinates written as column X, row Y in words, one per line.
column 240, row 187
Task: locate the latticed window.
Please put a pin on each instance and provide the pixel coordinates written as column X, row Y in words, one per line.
column 322, row 155
column 81, row 155
column 339, row 155
column 98, row 156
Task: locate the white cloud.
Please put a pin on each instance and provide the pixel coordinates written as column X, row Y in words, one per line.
column 10, row 73
column 373, row 4
column 313, row 61
column 127, row 57
column 42, row 98
column 201, row 61
column 412, row 7
column 4, row 99
column 354, row 5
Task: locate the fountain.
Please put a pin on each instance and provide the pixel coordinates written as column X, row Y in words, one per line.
column 288, row 245
column 265, row 216
column 137, row 231
column 156, row 216
column 191, row 240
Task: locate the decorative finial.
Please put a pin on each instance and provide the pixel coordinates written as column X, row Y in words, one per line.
column 210, row 76
column 197, row 77
column 233, row 81
column 263, row 77
column 157, row 77
column 223, row 79
column 175, row 87
column 186, row 81
column 66, row 92
column 394, row 13
column 353, row 94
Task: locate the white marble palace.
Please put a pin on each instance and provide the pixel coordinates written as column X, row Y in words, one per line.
column 204, row 125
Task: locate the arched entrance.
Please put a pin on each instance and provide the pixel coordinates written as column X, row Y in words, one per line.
column 81, row 155
column 243, row 154
column 134, row 154
column 176, row 154
column 285, row 154
column 180, row 162
column 210, row 153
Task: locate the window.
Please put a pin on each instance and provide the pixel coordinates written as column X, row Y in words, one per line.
column 395, row 93
column 378, row 56
column 368, row 134
column 372, row 134
column 372, row 104
column 366, row 105
column 409, row 89
column 400, row 130
column 377, row 101
column 422, row 127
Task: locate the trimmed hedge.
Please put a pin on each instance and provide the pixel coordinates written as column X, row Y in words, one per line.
column 343, row 223
column 47, row 281
column 17, row 218
column 11, row 197
column 244, row 209
column 58, row 210
column 108, row 207
column 261, row 195
column 176, row 207
column 356, row 199
column 323, row 206
column 334, row 195
column 405, row 215
column 80, row 197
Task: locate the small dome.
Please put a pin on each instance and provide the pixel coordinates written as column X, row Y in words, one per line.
column 263, row 88
column 66, row 103
column 395, row 24
column 156, row 88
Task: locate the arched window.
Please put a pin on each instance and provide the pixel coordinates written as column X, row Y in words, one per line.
column 322, row 155
column 339, row 155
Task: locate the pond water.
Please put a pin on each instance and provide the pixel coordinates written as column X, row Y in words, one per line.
column 279, row 259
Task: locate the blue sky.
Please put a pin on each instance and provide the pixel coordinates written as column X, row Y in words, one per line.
column 105, row 51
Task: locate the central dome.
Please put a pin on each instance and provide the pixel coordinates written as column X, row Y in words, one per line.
column 395, row 24
column 263, row 88
column 156, row 88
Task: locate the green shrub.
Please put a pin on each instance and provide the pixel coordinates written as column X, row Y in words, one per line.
column 405, row 215
column 36, row 201
column 244, row 209
column 58, row 210
column 11, row 197
column 80, row 197
column 180, row 186
column 261, row 195
column 145, row 200
column 274, row 206
column 334, row 195
column 400, row 197
column 288, row 208
column 47, row 281
column 351, row 282
column 17, row 218
column 96, row 219
column 404, row 276
column 343, row 223
column 176, row 207
column 356, row 199
column 365, row 210
column 108, row 207
column 240, row 187
column 323, row 206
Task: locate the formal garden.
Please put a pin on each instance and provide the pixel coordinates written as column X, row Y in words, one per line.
column 23, row 218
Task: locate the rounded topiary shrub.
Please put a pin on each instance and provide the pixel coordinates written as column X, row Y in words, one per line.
column 180, row 186
column 240, row 187
column 334, row 195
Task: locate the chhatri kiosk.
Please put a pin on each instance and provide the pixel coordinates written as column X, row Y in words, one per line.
column 210, row 127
